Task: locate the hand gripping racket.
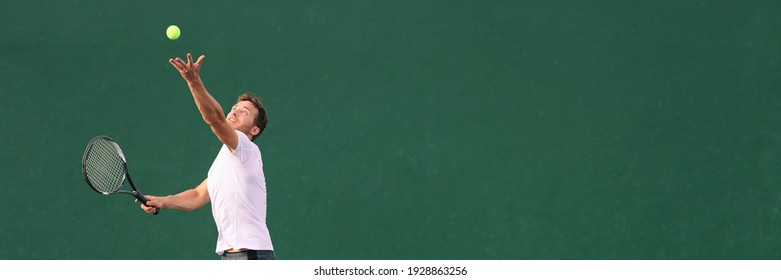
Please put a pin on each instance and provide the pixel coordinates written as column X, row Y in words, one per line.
column 105, row 168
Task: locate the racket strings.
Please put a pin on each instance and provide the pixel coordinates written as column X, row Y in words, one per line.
column 105, row 166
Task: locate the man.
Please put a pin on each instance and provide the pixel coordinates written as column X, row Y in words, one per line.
column 236, row 185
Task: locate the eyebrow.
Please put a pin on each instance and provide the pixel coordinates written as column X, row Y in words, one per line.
column 245, row 107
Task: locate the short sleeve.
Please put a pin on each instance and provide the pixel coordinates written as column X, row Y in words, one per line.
column 243, row 151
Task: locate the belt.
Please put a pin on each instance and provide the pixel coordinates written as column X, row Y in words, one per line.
column 251, row 254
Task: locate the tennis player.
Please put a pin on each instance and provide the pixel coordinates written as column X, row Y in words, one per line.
column 235, row 185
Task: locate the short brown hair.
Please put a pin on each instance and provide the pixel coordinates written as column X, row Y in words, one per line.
column 262, row 119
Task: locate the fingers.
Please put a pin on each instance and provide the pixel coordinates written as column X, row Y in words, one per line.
column 151, row 201
column 176, row 64
column 189, row 60
column 152, row 205
column 198, row 62
column 187, row 68
column 180, row 65
column 148, row 209
column 180, row 62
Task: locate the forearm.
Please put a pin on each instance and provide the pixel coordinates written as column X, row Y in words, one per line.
column 208, row 107
column 188, row 200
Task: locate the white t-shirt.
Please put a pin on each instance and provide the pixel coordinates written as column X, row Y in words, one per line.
column 237, row 189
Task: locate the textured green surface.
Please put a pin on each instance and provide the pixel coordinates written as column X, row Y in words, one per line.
column 405, row 129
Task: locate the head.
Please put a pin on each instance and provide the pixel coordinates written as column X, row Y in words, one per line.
column 248, row 115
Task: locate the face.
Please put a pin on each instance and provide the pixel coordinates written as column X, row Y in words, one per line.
column 242, row 118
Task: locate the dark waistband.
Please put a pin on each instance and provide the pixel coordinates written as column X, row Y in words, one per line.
column 250, row 253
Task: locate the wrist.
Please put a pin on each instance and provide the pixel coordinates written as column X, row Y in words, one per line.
column 194, row 82
column 163, row 201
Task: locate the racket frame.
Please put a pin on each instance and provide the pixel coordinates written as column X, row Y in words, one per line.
column 137, row 194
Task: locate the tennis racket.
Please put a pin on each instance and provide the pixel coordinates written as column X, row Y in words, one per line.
column 105, row 168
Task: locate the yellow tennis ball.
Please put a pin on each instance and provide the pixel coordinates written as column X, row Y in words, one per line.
column 173, row 32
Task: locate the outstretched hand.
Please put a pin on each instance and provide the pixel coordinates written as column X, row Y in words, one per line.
column 188, row 70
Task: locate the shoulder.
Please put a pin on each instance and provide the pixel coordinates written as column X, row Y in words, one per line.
column 244, row 141
column 245, row 148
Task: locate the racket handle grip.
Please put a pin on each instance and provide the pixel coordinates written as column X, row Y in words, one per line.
column 141, row 198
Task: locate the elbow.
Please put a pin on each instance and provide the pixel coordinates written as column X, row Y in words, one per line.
column 212, row 116
column 209, row 122
column 213, row 120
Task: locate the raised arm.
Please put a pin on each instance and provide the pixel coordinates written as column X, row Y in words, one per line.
column 208, row 107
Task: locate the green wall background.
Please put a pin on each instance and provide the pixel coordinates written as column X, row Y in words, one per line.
column 405, row 129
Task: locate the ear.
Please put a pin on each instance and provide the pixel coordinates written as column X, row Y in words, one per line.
column 254, row 131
